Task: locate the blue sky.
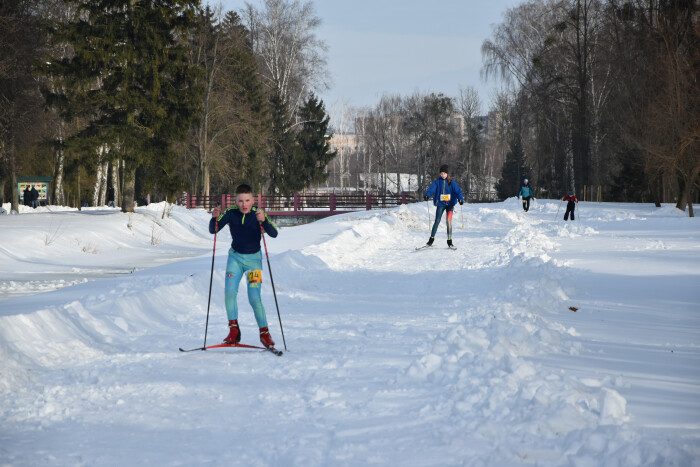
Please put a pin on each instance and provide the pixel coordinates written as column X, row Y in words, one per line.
column 400, row 46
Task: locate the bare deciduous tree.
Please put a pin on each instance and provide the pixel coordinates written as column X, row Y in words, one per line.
column 671, row 125
column 293, row 58
column 469, row 106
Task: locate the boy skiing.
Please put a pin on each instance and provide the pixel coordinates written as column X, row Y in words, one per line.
column 244, row 257
column 527, row 193
column 445, row 193
column 570, row 205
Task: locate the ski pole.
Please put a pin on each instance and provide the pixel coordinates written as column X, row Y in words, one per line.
column 272, row 281
column 211, row 280
column 461, row 215
column 427, row 205
column 557, row 215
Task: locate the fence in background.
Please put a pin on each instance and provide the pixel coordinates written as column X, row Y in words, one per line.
column 301, row 204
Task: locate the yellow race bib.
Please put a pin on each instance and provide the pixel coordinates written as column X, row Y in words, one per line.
column 255, row 277
column 445, row 198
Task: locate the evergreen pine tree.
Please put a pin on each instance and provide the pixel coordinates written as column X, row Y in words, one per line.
column 513, row 172
column 130, row 81
column 21, row 42
column 300, row 153
column 313, row 140
column 284, row 150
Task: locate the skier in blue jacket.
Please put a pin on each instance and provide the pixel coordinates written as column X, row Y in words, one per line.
column 244, row 257
column 527, row 193
column 445, row 193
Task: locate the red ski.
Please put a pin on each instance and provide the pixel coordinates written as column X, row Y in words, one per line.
column 245, row 346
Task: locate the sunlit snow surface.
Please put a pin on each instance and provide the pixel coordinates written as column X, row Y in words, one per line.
column 395, row 356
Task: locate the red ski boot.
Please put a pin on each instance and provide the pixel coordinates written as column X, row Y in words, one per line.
column 265, row 337
column 234, row 333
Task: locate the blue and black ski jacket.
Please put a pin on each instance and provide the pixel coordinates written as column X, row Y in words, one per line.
column 245, row 229
column 443, row 193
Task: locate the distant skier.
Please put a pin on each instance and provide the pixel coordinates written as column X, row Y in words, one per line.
column 527, row 193
column 571, row 202
column 244, row 257
column 445, row 193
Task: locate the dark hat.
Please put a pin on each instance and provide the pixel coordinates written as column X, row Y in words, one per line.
column 571, row 192
column 444, row 168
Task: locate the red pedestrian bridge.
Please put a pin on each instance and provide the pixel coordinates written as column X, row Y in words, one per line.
column 316, row 205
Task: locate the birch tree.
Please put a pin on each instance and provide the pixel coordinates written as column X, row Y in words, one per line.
column 292, row 57
column 341, row 115
column 469, row 106
column 397, row 135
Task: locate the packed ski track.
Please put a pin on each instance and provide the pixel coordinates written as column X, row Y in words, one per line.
column 536, row 342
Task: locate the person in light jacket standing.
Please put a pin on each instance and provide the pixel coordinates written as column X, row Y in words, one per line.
column 527, row 193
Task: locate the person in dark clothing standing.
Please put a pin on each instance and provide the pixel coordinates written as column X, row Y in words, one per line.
column 110, row 197
column 35, row 197
column 527, row 193
column 244, row 259
column 27, row 196
column 571, row 202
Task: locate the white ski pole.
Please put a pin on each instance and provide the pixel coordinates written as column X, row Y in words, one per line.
column 557, row 214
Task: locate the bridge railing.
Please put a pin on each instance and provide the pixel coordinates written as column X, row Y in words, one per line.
column 302, row 204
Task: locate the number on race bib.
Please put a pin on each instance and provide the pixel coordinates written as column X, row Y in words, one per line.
column 444, row 197
column 255, row 277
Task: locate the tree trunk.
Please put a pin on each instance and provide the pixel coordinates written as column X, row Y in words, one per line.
column 103, row 184
column 100, row 192
column 98, row 195
column 682, row 193
column 15, row 193
column 205, row 178
column 656, row 189
column 101, row 178
column 115, row 181
column 96, row 187
column 571, row 169
column 129, row 188
column 690, row 189
column 59, row 197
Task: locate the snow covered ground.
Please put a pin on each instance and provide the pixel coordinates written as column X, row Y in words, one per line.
column 395, row 356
